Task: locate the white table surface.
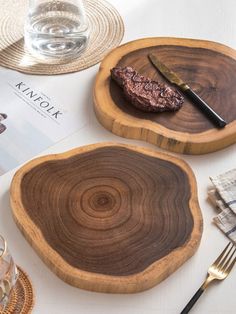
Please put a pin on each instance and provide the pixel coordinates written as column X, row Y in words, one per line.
column 203, row 19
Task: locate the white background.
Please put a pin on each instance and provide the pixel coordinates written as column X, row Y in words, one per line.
column 205, row 19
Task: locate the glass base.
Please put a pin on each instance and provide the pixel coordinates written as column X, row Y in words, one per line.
column 58, row 51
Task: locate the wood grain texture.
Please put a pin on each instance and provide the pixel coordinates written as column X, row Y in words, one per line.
column 209, row 68
column 109, row 217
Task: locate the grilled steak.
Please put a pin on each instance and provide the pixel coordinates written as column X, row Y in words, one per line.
column 145, row 94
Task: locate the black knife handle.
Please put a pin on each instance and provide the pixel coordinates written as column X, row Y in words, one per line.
column 209, row 112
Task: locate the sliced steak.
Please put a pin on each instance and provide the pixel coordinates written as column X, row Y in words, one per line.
column 145, row 94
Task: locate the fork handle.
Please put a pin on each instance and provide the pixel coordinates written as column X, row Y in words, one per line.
column 193, row 301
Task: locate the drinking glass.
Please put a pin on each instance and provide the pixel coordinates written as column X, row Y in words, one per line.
column 8, row 274
column 56, row 30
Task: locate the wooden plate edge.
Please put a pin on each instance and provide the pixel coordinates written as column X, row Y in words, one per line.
column 144, row 280
column 122, row 124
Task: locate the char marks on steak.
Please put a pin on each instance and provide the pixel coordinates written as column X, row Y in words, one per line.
column 145, row 94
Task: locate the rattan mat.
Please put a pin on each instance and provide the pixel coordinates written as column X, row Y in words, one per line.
column 22, row 296
column 106, row 32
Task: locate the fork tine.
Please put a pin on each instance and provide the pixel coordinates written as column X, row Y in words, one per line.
column 231, row 263
column 225, row 259
column 231, row 266
column 217, row 261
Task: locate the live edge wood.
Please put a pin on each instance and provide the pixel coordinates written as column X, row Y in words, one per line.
column 208, row 67
column 109, row 217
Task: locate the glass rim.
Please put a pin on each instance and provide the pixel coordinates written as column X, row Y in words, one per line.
column 5, row 247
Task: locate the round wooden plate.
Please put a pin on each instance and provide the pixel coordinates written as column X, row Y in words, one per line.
column 208, row 67
column 109, row 217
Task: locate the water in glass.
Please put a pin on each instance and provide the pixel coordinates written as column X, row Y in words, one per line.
column 56, row 29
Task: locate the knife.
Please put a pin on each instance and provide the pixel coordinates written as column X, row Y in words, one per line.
column 174, row 79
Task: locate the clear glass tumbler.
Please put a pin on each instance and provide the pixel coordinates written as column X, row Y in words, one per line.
column 56, row 30
column 8, row 274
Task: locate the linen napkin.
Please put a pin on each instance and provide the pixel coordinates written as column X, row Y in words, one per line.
column 223, row 196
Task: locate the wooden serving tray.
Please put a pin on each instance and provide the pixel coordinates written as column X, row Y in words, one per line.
column 109, row 217
column 208, row 67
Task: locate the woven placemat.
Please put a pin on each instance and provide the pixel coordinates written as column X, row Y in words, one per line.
column 22, row 297
column 106, row 32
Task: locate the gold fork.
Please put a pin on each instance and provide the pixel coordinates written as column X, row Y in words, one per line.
column 219, row 270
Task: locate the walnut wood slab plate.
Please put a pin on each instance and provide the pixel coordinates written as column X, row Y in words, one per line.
column 109, row 217
column 208, row 67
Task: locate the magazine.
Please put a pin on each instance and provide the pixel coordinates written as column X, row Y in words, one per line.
column 32, row 117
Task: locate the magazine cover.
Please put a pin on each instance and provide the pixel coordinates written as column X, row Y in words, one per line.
column 31, row 118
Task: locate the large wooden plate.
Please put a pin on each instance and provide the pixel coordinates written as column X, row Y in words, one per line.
column 109, row 217
column 208, row 67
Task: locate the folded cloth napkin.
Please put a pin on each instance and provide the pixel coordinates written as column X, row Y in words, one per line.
column 223, row 196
